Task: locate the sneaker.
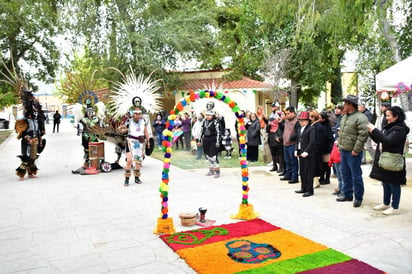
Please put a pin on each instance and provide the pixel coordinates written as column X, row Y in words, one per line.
column 390, row 211
column 137, row 180
column 381, row 207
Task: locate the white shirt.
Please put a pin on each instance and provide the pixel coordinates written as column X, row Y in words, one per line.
column 136, row 129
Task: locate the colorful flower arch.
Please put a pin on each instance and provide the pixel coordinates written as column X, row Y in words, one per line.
column 246, row 211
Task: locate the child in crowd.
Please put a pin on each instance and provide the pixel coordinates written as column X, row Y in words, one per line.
column 227, row 143
column 334, row 161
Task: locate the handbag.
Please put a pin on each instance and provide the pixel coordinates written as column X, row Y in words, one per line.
column 391, row 161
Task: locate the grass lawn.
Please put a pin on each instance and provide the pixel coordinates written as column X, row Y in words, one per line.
column 187, row 160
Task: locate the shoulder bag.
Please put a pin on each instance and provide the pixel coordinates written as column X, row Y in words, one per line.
column 391, row 161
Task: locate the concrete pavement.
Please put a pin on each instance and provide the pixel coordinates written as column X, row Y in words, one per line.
column 65, row 223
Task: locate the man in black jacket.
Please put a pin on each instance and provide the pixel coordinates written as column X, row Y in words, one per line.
column 56, row 121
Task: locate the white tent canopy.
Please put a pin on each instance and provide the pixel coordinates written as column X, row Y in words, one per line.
column 390, row 78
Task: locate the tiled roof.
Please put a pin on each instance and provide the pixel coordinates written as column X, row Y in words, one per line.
column 244, row 83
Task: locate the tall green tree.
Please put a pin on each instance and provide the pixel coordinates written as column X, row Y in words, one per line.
column 315, row 34
column 151, row 35
column 405, row 38
column 26, row 41
column 84, row 75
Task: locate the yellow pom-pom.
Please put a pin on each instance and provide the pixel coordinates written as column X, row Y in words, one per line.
column 164, row 187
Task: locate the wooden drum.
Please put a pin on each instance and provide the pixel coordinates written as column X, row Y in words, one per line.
column 96, row 154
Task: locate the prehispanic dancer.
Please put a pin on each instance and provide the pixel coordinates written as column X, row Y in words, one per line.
column 30, row 130
column 89, row 113
column 211, row 135
column 137, row 96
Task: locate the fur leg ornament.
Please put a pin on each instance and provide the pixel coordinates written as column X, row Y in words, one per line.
column 21, row 170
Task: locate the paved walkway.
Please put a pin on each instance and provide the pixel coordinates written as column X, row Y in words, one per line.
column 65, row 223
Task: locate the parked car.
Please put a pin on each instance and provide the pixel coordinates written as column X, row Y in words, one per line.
column 4, row 121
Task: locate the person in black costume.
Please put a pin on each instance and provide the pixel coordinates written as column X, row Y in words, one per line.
column 210, row 137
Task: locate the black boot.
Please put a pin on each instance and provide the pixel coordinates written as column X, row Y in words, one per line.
column 274, row 168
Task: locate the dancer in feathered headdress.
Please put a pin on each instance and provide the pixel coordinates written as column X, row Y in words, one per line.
column 30, row 129
column 89, row 114
column 135, row 96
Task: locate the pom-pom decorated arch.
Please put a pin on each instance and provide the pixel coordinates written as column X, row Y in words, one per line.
column 246, row 211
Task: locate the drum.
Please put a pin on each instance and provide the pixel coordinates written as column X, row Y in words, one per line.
column 96, row 163
column 96, row 154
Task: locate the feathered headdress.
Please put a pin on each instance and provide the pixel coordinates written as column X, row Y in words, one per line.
column 88, row 99
column 30, row 105
column 135, row 91
column 17, row 81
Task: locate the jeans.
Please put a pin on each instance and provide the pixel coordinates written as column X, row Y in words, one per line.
column 199, row 152
column 187, row 138
column 352, row 174
column 291, row 162
column 338, row 170
column 391, row 190
column 159, row 138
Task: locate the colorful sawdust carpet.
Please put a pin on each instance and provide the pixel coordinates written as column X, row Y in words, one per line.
column 257, row 246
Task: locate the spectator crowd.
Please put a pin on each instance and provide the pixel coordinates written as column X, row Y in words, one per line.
column 304, row 146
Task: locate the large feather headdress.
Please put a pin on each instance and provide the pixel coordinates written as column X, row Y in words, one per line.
column 134, row 87
column 17, row 81
column 31, row 106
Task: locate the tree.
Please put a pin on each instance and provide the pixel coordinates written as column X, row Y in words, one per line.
column 315, row 33
column 84, row 75
column 26, row 41
column 405, row 38
column 387, row 42
column 147, row 35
